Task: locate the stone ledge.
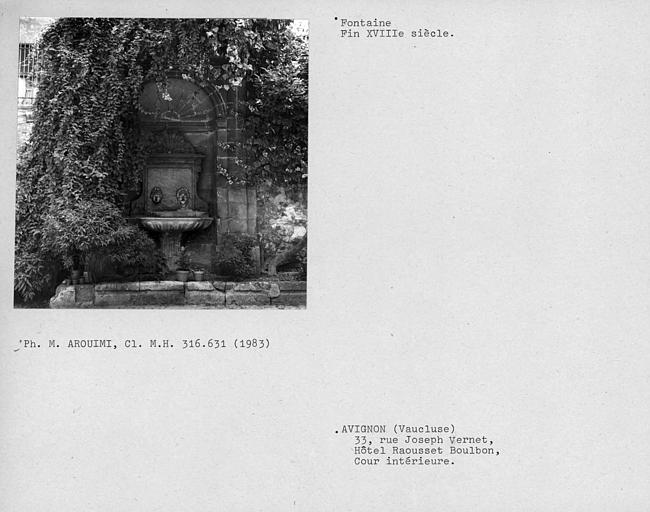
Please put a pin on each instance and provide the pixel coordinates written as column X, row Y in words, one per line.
column 216, row 294
column 236, row 298
column 291, row 299
column 64, row 297
column 162, row 286
column 142, row 298
column 199, row 286
column 286, row 286
column 249, row 286
column 117, row 287
column 213, row 298
column 85, row 293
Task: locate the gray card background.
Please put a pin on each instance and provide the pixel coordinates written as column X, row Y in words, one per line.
column 478, row 255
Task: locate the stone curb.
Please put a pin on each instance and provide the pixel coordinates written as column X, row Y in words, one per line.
column 293, row 286
column 176, row 293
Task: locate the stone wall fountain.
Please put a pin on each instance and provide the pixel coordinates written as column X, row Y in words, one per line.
column 185, row 126
column 169, row 203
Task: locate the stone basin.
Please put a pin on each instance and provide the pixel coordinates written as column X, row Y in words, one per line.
column 163, row 224
column 179, row 213
column 171, row 224
column 176, row 221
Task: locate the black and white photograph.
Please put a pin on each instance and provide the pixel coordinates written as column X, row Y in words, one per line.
column 162, row 163
column 466, row 329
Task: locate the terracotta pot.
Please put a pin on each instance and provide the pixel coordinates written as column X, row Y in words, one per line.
column 75, row 274
column 199, row 275
column 182, row 275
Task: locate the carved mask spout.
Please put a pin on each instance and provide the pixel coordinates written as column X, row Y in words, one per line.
column 183, row 197
column 156, row 195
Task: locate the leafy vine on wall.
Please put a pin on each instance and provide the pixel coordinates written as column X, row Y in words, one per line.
column 85, row 144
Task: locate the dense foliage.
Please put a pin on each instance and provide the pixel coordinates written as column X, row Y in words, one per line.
column 274, row 148
column 282, row 227
column 70, row 231
column 233, row 257
column 84, row 154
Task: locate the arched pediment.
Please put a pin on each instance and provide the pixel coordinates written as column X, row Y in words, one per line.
column 179, row 102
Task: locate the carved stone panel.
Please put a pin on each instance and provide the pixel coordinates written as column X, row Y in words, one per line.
column 168, row 180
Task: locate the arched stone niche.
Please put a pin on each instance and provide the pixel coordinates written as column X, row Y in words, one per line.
column 180, row 103
column 204, row 118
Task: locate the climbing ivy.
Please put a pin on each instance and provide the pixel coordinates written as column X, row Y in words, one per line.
column 85, row 144
column 274, row 147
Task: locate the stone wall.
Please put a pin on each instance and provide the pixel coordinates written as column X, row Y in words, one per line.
column 175, row 294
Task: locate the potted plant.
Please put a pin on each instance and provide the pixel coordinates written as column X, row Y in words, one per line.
column 199, row 274
column 183, row 265
column 75, row 273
